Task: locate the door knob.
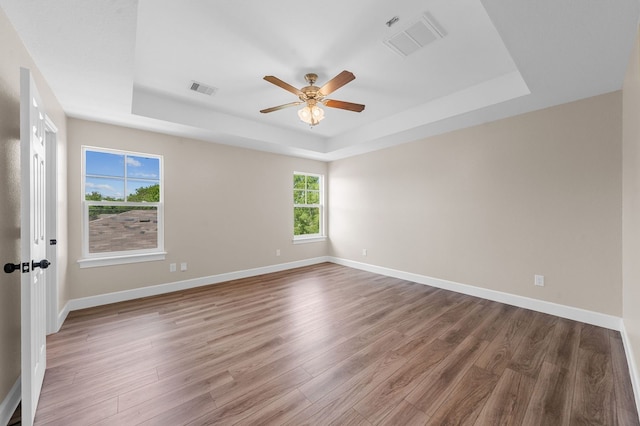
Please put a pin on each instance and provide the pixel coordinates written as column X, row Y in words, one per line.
column 44, row 264
column 10, row 267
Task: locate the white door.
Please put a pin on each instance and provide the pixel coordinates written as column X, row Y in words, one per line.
column 33, row 244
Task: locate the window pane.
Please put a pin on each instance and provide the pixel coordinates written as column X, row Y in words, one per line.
column 138, row 191
column 104, row 164
column 298, row 197
column 143, row 167
column 313, row 197
column 299, row 181
column 122, row 228
column 306, row 220
column 97, row 189
column 313, row 182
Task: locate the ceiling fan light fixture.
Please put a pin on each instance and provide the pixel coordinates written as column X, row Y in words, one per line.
column 311, row 115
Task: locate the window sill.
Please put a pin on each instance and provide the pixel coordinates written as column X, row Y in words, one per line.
column 305, row 240
column 121, row 260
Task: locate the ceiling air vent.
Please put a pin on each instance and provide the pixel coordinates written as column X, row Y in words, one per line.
column 202, row 88
column 415, row 36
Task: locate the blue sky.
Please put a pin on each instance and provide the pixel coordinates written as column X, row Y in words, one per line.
column 106, row 173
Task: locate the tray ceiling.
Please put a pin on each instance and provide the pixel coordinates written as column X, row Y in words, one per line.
column 133, row 63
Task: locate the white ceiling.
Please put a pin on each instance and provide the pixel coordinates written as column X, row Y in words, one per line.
column 132, row 62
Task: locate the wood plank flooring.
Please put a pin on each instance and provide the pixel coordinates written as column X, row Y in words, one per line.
column 325, row 345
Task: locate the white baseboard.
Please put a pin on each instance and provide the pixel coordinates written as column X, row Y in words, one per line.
column 569, row 312
column 631, row 361
column 121, row 296
column 10, row 402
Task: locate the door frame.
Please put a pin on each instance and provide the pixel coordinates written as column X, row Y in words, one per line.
column 51, row 147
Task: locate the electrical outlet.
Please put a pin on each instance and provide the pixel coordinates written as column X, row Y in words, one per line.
column 364, row 252
column 277, row 252
column 538, row 280
column 172, row 267
column 183, row 266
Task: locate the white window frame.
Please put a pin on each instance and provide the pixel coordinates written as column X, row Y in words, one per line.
column 128, row 256
column 310, row 238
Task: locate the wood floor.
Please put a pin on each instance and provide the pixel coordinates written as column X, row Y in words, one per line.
column 331, row 345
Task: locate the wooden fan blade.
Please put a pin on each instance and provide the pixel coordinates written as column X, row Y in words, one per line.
column 286, row 86
column 343, row 105
column 279, row 107
column 337, row 82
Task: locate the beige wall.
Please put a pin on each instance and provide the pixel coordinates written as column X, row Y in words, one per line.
column 492, row 205
column 14, row 56
column 226, row 209
column 631, row 207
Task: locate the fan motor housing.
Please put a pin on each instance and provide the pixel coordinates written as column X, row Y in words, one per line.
column 311, row 92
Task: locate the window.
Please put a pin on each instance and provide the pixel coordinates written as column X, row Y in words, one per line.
column 308, row 211
column 122, row 207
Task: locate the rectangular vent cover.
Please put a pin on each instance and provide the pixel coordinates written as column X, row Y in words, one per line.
column 202, row 88
column 415, row 36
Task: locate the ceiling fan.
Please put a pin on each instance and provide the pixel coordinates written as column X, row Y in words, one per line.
column 312, row 95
